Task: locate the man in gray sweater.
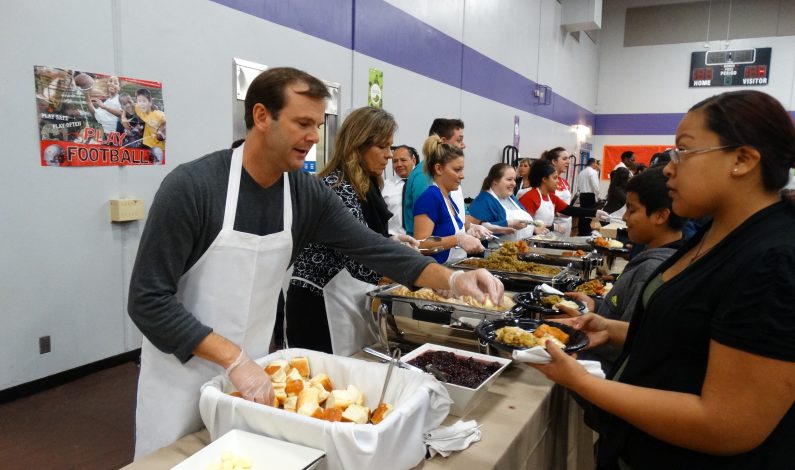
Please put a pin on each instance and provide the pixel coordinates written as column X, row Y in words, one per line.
column 221, row 232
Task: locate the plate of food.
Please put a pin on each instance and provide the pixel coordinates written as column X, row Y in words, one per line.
column 594, row 288
column 508, row 335
column 610, row 244
column 537, row 301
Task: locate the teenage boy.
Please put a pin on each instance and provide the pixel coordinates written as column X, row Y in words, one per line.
column 651, row 222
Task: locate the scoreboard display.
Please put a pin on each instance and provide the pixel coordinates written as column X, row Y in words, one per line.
column 745, row 67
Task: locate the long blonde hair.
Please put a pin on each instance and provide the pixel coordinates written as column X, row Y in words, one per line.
column 362, row 129
column 436, row 151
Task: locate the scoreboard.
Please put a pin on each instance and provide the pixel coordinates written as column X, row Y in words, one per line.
column 744, row 67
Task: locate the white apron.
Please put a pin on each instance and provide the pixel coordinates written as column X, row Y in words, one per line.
column 546, row 210
column 522, row 192
column 456, row 254
column 233, row 288
column 564, row 221
column 517, row 213
column 350, row 324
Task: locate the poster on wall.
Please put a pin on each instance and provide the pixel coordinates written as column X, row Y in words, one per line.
column 744, row 67
column 95, row 119
column 375, row 89
column 612, row 155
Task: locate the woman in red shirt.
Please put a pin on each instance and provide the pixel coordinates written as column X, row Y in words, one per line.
column 559, row 158
column 542, row 203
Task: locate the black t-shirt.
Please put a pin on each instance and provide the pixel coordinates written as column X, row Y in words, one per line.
column 740, row 294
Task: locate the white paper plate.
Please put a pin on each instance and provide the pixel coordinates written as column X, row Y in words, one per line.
column 263, row 453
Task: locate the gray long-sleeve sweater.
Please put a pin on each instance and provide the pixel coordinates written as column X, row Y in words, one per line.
column 187, row 214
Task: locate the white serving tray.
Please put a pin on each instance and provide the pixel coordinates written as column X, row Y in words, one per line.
column 263, row 453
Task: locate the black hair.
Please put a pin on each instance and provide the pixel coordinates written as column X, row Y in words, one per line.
column 590, row 161
column 496, row 172
column 660, row 159
column 411, row 150
column 445, row 128
column 269, row 86
column 652, row 193
column 629, row 154
column 755, row 119
column 539, row 170
column 552, row 154
column 144, row 92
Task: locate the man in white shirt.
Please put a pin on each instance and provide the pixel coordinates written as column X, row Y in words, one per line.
column 627, row 161
column 588, row 187
column 404, row 159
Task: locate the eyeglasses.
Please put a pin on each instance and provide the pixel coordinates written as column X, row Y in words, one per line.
column 677, row 155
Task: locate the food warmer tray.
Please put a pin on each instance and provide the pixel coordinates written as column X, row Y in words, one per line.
column 526, row 281
column 569, row 244
column 584, row 264
column 412, row 321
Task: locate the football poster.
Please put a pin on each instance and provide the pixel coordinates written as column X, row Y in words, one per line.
column 96, row 119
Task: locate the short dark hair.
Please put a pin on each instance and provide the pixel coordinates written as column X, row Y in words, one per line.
column 590, row 162
column 627, row 155
column 445, row 128
column 755, row 119
column 652, row 193
column 411, row 150
column 539, row 170
column 268, row 89
column 660, row 159
column 496, row 172
column 143, row 92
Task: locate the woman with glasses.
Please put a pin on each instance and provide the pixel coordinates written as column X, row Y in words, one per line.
column 706, row 378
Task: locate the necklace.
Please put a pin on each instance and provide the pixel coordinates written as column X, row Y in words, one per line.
column 699, row 254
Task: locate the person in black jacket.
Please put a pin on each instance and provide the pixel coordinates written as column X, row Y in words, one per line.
column 706, row 377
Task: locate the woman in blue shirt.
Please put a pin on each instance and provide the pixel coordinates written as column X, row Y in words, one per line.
column 435, row 214
column 497, row 208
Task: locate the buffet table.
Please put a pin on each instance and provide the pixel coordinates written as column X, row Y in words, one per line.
column 526, row 423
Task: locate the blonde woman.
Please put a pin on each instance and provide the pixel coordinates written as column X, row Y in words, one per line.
column 435, row 213
column 324, row 280
column 522, row 182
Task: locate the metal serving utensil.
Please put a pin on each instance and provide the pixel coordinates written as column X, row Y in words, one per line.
column 392, row 361
column 386, row 357
column 432, row 239
column 431, row 251
column 436, row 372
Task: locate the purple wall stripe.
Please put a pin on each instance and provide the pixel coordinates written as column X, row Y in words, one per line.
column 384, row 32
column 637, row 124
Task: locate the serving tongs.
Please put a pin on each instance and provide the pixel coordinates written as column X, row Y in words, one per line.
column 385, row 357
column 431, row 250
column 392, row 361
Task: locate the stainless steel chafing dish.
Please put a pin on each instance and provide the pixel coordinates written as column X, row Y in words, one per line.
column 585, row 264
column 410, row 320
column 526, row 281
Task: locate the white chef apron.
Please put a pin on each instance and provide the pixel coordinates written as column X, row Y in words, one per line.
column 565, row 221
column 517, row 213
column 350, row 325
column 233, row 288
column 546, row 210
column 522, row 191
column 456, row 254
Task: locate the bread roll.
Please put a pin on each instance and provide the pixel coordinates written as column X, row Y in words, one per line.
column 381, row 412
column 302, row 364
column 275, row 366
column 294, row 374
column 294, row 387
column 332, row 414
column 356, row 414
column 290, row 403
column 340, row 399
column 323, row 380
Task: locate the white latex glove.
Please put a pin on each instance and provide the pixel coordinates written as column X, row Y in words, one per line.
column 250, row 380
column 478, row 283
column 407, row 240
column 469, row 243
column 560, row 228
column 479, row 231
column 541, row 230
column 517, row 224
column 602, row 215
column 499, row 229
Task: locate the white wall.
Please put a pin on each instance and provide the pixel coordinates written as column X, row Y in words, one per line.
column 64, row 268
column 654, row 79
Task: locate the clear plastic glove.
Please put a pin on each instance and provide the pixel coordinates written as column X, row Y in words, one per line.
column 479, row 231
column 407, row 240
column 250, row 380
column 499, row 229
column 540, row 230
column 479, row 283
column 468, row 243
column 602, row 215
column 517, row 224
column 559, row 228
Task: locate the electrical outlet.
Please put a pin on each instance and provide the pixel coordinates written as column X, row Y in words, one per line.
column 124, row 210
column 44, row 345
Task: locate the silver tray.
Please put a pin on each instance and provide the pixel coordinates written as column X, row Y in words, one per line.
column 553, row 256
column 564, row 274
column 408, row 320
